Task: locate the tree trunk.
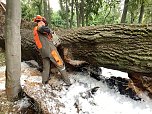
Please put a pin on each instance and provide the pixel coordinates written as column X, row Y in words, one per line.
column 45, row 9
column 87, row 19
column 120, row 47
column 49, row 14
column 125, row 10
column 107, row 14
column 39, row 6
column 141, row 13
column 13, row 49
column 123, row 47
column 82, row 12
column 132, row 18
column 77, row 13
column 72, row 13
column 126, row 48
column 67, row 21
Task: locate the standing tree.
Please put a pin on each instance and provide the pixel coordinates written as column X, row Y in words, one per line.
column 72, row 13
column 49, row 13
column 82, row 11
column 125, row 10
column 77, row 13
column 141, row 12
column 67, row 20
column 13, row 49
column 45, row 6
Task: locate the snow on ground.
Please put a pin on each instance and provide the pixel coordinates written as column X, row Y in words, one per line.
column 2, row 78
column 76, row 99
column 109, row 72
column 105, row 101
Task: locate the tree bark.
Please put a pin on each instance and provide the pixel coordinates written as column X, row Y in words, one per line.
column 141, row 13
column 82, row 12
column 77, row 13
column 49, row 14
column 13, row 49
column 122, row 47
column 132, row 17
column 67, row 20
column 72, row 13
column 125, row 10
column 45, row 4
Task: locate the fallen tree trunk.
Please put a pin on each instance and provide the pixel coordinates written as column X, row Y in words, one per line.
column 123, row 47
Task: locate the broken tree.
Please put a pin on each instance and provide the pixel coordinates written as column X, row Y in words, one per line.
column 122, row 47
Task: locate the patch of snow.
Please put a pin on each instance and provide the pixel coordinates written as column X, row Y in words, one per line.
column 23, row 103
column 2, row 85
column 24, row 66
column 75, row 99
column 105, row 101
column 2, row 68
column 109, row 72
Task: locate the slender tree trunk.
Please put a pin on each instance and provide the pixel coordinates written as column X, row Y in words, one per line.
column 72, row 13
column 125, row 10
column 13, row 49
column 79, row 17
column 82, row 12
column 87, row 19
column 67, row 21
column 49, row 13
column 141, row 13
column 107, row 15
column 62, row 12
column 77, row 13
column 61, row 5
column 40, row 7
column 45, row 9
column 132, row 17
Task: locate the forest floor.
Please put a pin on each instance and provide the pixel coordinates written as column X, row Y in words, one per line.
column 75, row 98
column 7, row 107
column 19, row 106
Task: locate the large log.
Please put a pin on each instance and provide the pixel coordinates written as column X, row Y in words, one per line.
column 123, row 47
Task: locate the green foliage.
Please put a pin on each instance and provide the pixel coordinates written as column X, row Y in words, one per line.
column 31, row 8
column 109, row 13
column 148, row 14
column 95, row 12
column 57, row 20
column 134, row 10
